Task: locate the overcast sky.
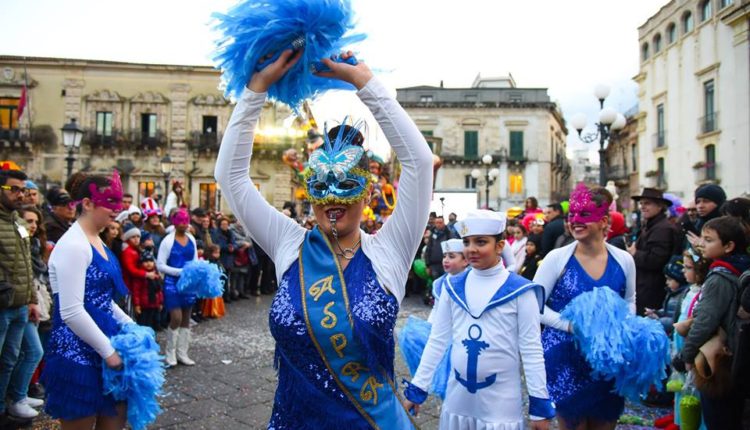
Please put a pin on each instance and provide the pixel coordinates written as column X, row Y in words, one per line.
column 566, row 46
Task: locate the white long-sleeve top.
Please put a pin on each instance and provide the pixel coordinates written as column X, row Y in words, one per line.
column 392, row 250
column 68, row 263
column 509, row 259
column 512, row 331
column 553, row 266
column 165, row 248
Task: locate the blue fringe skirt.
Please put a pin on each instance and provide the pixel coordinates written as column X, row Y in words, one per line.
column 74, row 390
column 173, row 299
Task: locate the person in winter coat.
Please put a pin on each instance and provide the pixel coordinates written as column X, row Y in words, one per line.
column 553, row 229
column 434, row 250
column 224, row 239
column 724, row 242
column 708, row 201
column 617, row 230
column 148, row 297
column 676, row 287
column 659, row 240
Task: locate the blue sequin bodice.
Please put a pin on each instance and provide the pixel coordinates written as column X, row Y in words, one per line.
column 569, row 379
column 307, row 396
column 103, row 279
column 180, row 255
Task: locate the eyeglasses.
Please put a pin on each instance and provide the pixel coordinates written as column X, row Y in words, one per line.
column 14, row 189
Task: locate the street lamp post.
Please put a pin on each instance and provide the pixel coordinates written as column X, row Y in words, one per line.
column 166, row 169
column 72, row 136
column 489, row 177
column 609, row 120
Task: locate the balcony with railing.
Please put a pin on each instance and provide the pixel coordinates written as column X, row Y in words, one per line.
column 709, row 123
column 657, row 179
column 706, row 173
column 145, row 140
column 617, row 172
column 204, row 142
column 659, row 140
column 96, row 140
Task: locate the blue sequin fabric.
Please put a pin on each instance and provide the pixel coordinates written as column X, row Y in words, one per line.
column 72, row 375
column 178, row 258
column 576, row 394
column 307, row 396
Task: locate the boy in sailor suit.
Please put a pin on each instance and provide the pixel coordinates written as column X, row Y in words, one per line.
column 454, row 262
column 490, row 316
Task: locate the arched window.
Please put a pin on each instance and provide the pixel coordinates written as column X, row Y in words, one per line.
column 705, row 10
column 724, row 3
column 687, row 22
column 644, row 52
column 657, row 43
column 671, row 33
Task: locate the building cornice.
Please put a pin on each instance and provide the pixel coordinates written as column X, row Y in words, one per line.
column 708, row 69
column 104, row 64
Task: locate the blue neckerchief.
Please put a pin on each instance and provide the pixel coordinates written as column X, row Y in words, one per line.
column 437, row 284
column 325, row 304
column 513, row 287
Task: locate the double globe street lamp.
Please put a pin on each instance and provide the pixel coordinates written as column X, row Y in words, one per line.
column 490, row 175
column 609, row 120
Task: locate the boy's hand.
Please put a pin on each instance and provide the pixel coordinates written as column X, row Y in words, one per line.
column 138, row 310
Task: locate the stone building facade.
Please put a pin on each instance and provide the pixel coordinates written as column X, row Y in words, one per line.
column 521, row 128
column 694, row 96
column 133, row 115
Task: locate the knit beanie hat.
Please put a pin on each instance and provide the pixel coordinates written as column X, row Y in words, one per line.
column 130, row 231
column 711, row 192
column 673, row 270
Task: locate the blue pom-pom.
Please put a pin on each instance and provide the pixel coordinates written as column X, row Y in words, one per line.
column 630, row 350
column 202, row 279
column 255, row 28
column 412, row 341
column 141, row 378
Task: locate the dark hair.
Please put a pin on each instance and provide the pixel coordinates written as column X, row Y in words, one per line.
column 729, row 229
column 15, row 174
column 358, row 140
column 738, row 207
column 210, row 249
column 555, row 206
column 499, row 237
column 127, row 195
column 440, row 217
column 700, row 267
column 534, row 201
column 433, row 214
column 600, row 195
column 78, row 185
column 41, row 232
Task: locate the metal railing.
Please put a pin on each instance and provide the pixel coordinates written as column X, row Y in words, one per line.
column 659, row 140
column 709, row 122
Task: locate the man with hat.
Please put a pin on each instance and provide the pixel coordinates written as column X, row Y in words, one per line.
column 659, row 240
column 62, row 213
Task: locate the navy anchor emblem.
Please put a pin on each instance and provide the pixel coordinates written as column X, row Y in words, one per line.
column 474, row 348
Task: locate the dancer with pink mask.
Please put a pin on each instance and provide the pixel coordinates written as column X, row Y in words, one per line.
column 582, row 401
column 85, row 275
column 176, row 250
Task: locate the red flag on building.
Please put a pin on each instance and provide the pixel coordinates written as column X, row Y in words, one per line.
column 22, row 102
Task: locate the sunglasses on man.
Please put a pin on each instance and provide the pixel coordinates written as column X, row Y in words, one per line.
column 14, row 189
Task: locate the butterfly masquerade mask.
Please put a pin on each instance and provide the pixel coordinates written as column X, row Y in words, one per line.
column 110, row 197
column 332, row 176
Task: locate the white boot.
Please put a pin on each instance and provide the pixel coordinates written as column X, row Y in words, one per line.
column 183, row 343
column 171, row 348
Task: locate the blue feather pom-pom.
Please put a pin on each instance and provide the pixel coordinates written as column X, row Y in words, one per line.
column 202, row 279
column 630, row 350
column 412, row 341
column 253, row 29
column 140, row 381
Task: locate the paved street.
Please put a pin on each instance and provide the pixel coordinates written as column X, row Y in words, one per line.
column 233, row 384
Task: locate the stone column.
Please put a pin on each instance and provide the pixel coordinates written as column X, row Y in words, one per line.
column 178, row 96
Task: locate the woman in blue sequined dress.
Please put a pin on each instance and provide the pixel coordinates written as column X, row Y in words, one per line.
column 582, row 401
column 334, row 355
column 175, row 251
column 85, row 275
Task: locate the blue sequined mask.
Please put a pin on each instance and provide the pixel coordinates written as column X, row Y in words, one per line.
column 333, row 176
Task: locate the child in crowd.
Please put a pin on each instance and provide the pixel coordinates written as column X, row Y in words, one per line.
column 532, row 260
column 214, row 307
column 148, row 297
column 676, row 287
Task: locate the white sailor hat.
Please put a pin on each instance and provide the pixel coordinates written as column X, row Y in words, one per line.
column 452, row 245
column 482, row 222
